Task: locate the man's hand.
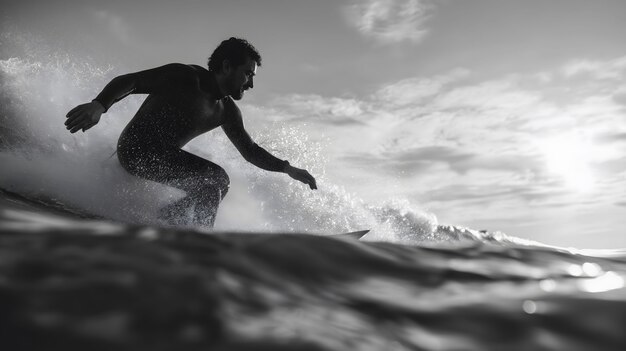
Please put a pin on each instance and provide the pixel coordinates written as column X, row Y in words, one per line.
column 84, row 116
column 301, row 175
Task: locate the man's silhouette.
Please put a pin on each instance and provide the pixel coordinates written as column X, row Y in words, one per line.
column 185, row 101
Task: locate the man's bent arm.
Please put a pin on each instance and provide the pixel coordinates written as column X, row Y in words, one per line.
column 253, row 153
column 164, row 78
column 250, row 151
column 258, row 156
column 168, row 78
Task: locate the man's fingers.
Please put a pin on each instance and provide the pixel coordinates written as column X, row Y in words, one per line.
column 72, row 111
column 81, row 126
column 77, row 125
column 309, row 180
column 75, row 112
column 304, row 177
column 312, row 183
column 73, row 119
column 69, row 119
column 74, row 122
column 80, row 118
column 89, row 126
column 70, row 124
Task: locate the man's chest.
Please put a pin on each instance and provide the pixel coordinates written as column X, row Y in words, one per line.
column 203, row 114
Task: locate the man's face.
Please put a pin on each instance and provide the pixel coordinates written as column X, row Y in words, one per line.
column 241, row 78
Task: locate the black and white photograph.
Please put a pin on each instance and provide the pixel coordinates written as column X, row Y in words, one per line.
column 323, row 175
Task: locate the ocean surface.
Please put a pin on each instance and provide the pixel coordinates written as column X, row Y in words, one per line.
column 68, row 282
column 85, row 263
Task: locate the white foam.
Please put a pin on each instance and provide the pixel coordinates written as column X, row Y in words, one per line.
column 76, row 169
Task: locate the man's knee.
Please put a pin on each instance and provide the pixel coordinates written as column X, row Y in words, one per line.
column 223, row 183
column 219, row 180
column 222, row 180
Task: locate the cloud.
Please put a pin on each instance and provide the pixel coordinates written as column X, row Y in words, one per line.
column 390, row 21
column 412, row 161
column 500, row 95
column 484, row 194
column 619, row 95
column 413, row 90
column 387, row 166
column 611, row 69
column 505, row 142
column 613, row 168
column 336, row 111
column 426, row 158
column 611, row 137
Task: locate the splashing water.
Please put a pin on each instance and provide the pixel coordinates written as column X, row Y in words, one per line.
column 41, row 159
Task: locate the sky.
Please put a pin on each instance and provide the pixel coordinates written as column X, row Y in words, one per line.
column 491, row 114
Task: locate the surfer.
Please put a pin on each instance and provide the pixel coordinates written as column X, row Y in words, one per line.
column 183, row 102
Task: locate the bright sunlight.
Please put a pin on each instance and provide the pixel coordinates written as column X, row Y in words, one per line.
column 569, row 157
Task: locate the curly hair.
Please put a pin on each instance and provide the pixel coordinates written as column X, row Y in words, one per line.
column 236, row 51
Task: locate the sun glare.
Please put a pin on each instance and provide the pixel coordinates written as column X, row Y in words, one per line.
column 569, row 157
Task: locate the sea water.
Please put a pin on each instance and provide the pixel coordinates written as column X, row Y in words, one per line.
column 124, row 281
column 71, row 284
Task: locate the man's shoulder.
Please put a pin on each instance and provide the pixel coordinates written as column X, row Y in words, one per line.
column 184, row 69
column 181, row 74
column 197, row 69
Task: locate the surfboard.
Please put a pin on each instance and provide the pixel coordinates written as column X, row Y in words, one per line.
column 13, row 200
column 10, row 199
column 352, row 235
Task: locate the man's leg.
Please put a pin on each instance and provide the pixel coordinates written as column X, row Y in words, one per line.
column 204, row 182
column 176, row 212
column 205, row 189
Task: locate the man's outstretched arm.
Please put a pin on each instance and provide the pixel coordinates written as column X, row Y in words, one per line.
column 164, row 78
column 253, row 153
